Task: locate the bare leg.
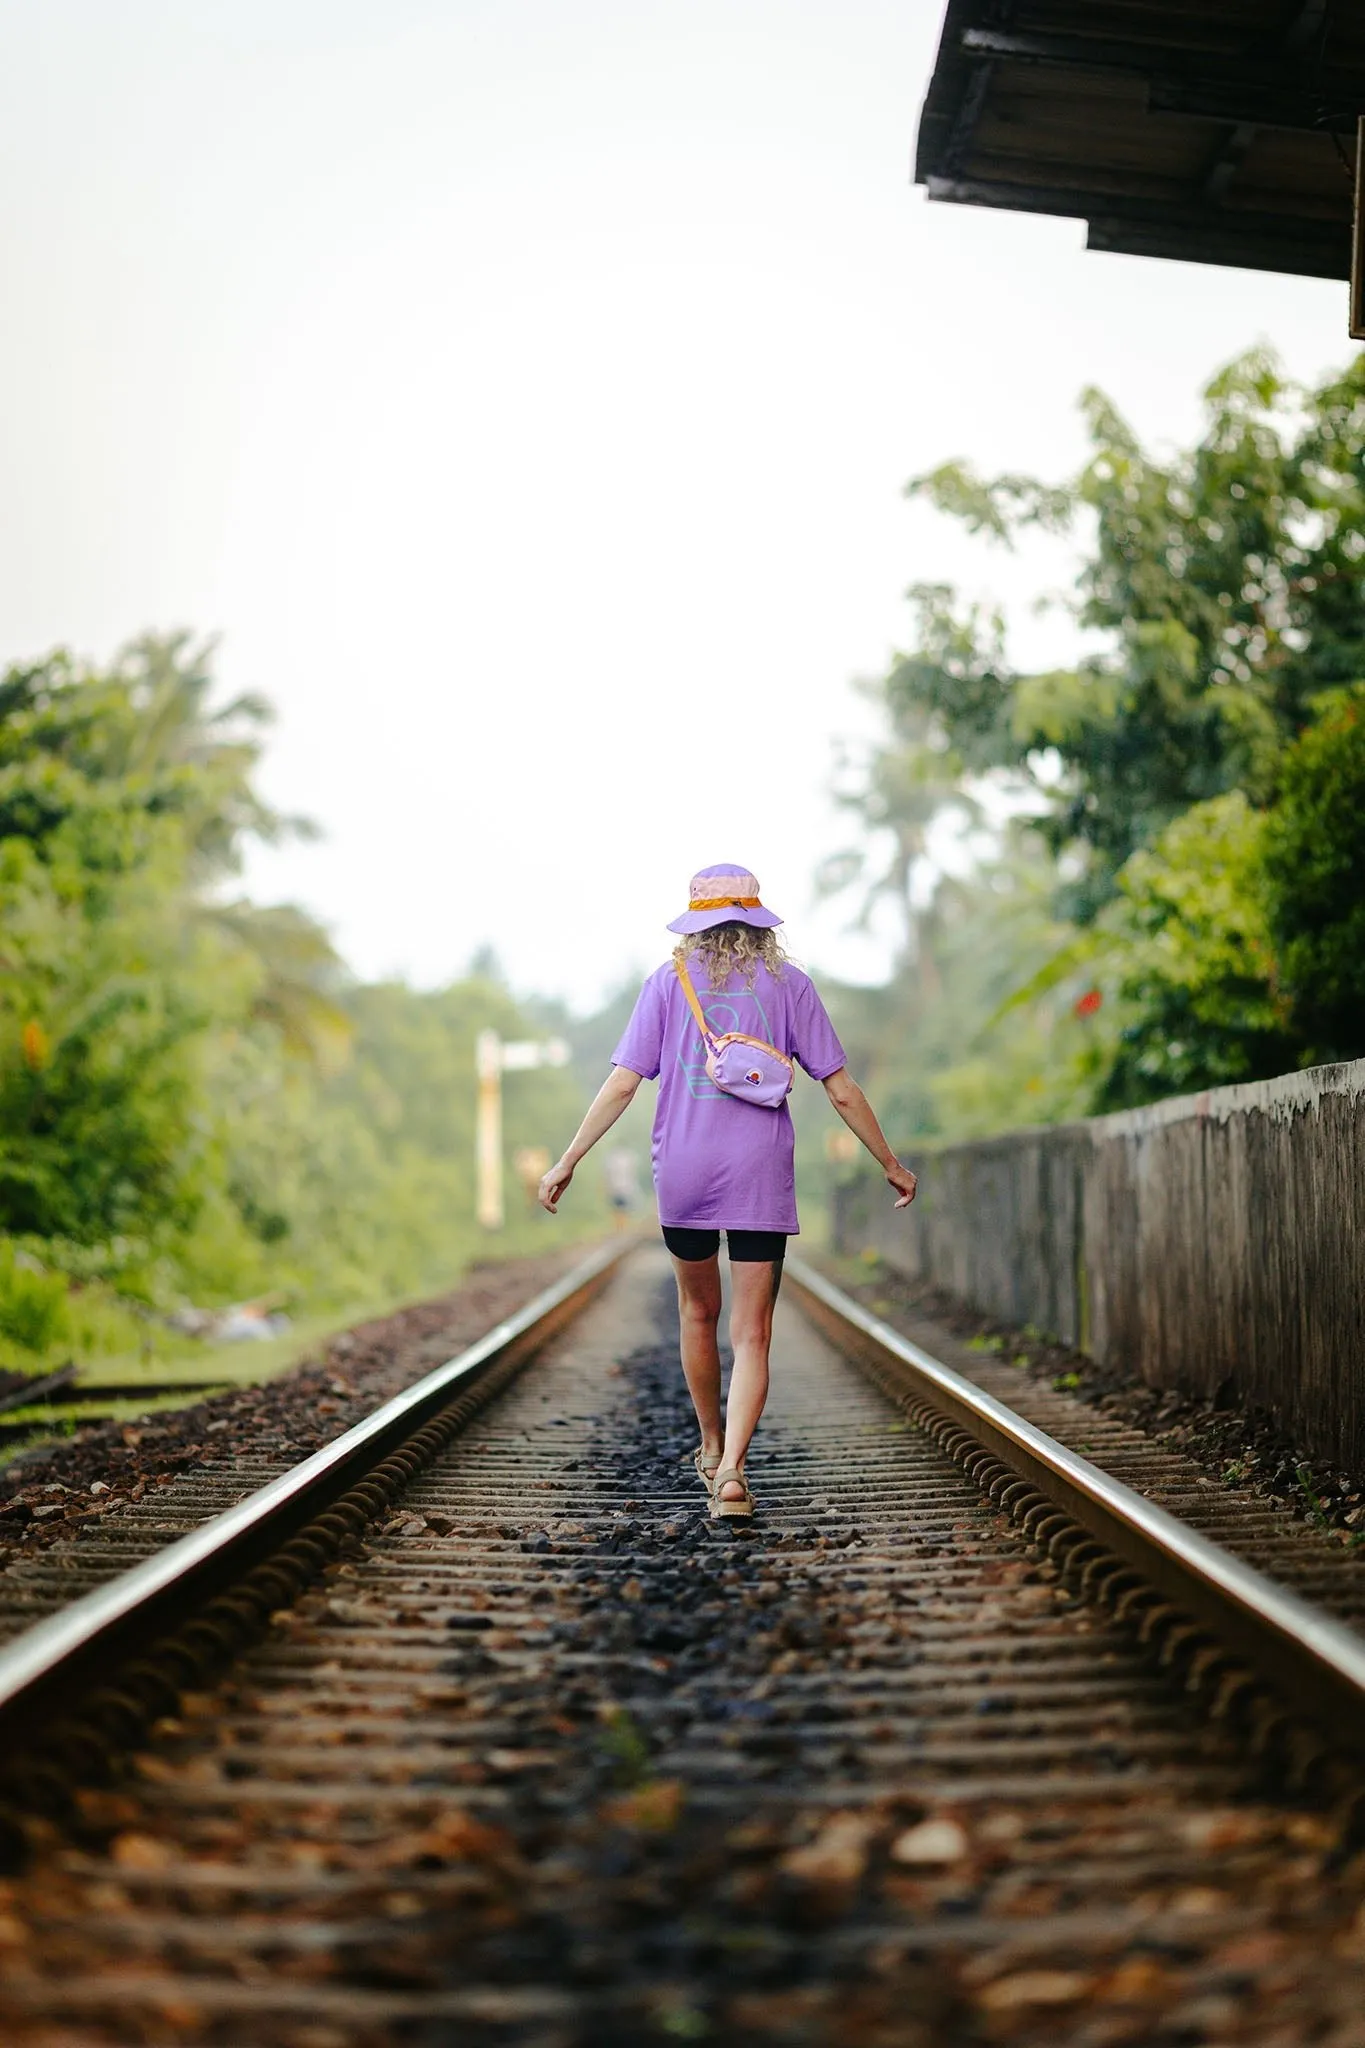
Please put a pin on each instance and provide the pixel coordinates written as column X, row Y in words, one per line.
column 753, row 1291
column 698, row 1314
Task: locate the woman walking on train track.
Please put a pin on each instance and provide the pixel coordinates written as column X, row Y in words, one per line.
column 720, row 1024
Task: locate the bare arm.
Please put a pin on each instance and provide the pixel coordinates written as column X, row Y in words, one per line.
column 610, row 1100
column 856, row 1111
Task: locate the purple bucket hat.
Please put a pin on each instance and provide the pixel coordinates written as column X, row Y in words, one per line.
column 723, row 895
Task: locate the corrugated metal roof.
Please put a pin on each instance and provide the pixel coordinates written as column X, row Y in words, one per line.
column 1221, row 131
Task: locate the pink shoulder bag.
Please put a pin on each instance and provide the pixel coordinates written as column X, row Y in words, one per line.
column 748, row 1068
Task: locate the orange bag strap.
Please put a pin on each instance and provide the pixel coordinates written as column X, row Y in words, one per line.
column 693, row 1005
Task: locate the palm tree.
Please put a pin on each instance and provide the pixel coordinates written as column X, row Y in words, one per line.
column 902, row 788
column 301, row 977
column 168, row 680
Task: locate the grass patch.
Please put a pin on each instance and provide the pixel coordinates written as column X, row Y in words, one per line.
column 234, row 1365
column 25, row 1429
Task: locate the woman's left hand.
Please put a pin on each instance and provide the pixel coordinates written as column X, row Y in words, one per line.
column 905, row 1183
column 553, row 1185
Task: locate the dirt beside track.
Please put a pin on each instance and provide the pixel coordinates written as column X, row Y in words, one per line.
column 132, row 1479
column 1232, row 1447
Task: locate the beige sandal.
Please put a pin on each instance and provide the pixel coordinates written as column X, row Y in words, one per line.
column 743, row 1506
column 706, row 1466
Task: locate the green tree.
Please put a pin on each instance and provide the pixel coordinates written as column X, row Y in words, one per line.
column 897, row 793
column 299, row 977
column 103, row 1004
column 1203, row 818
column 1187, row 949
column 1314, row 879
column 942, row 1050
column 200, row 755
column 357, row 1184
column 143, row 730
column 103, row 994
column 195, row 1096
column 1228, row 583
column 123, row 797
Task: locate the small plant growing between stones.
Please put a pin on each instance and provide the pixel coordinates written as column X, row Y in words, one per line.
column 1303, row 1475
column 625, row 1747
column 684, row 2023
column 1066, row 1383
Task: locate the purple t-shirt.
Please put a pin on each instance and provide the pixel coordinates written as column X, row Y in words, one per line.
column 720, row 1163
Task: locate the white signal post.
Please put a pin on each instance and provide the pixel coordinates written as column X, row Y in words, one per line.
column 494, row 1057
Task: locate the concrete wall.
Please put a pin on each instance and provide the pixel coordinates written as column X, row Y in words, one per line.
column 1214, row 1243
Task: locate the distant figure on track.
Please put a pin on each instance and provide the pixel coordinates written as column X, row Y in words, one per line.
column 623, row 1187
column 721, row 1162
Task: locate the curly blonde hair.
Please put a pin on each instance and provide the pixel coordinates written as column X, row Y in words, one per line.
column 734, row 948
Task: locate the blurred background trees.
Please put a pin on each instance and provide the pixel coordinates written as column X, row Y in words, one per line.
column 196, row 1100
column 1170, row 894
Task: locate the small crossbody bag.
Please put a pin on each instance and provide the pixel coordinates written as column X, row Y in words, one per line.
column 748, row 1068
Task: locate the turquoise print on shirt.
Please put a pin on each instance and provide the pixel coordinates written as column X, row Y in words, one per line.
column 724, row 1010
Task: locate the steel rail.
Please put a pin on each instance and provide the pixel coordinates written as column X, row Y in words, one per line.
column 1313, row 1660
column 49, row 1665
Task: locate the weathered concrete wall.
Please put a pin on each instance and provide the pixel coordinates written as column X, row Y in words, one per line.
column 1214, row 1243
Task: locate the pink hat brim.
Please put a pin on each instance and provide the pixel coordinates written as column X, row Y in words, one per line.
column 732, row 913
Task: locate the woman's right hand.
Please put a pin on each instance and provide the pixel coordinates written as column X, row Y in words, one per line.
column 553, row 1184
column 905, row 1183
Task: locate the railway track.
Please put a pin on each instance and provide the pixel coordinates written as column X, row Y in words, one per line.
column 512, row 1745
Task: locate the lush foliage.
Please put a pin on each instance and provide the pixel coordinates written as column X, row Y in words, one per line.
column 355, row 1184
column 34, row 1311
column 196, row 1101
column 1195, row 786
column 1314, row 877
column 110, row 811
column 1186, row 952
column 1229, row 586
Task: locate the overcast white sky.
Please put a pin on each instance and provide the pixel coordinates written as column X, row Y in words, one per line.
column 524, row 390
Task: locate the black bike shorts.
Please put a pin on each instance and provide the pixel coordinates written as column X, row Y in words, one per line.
column 746, row 1247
